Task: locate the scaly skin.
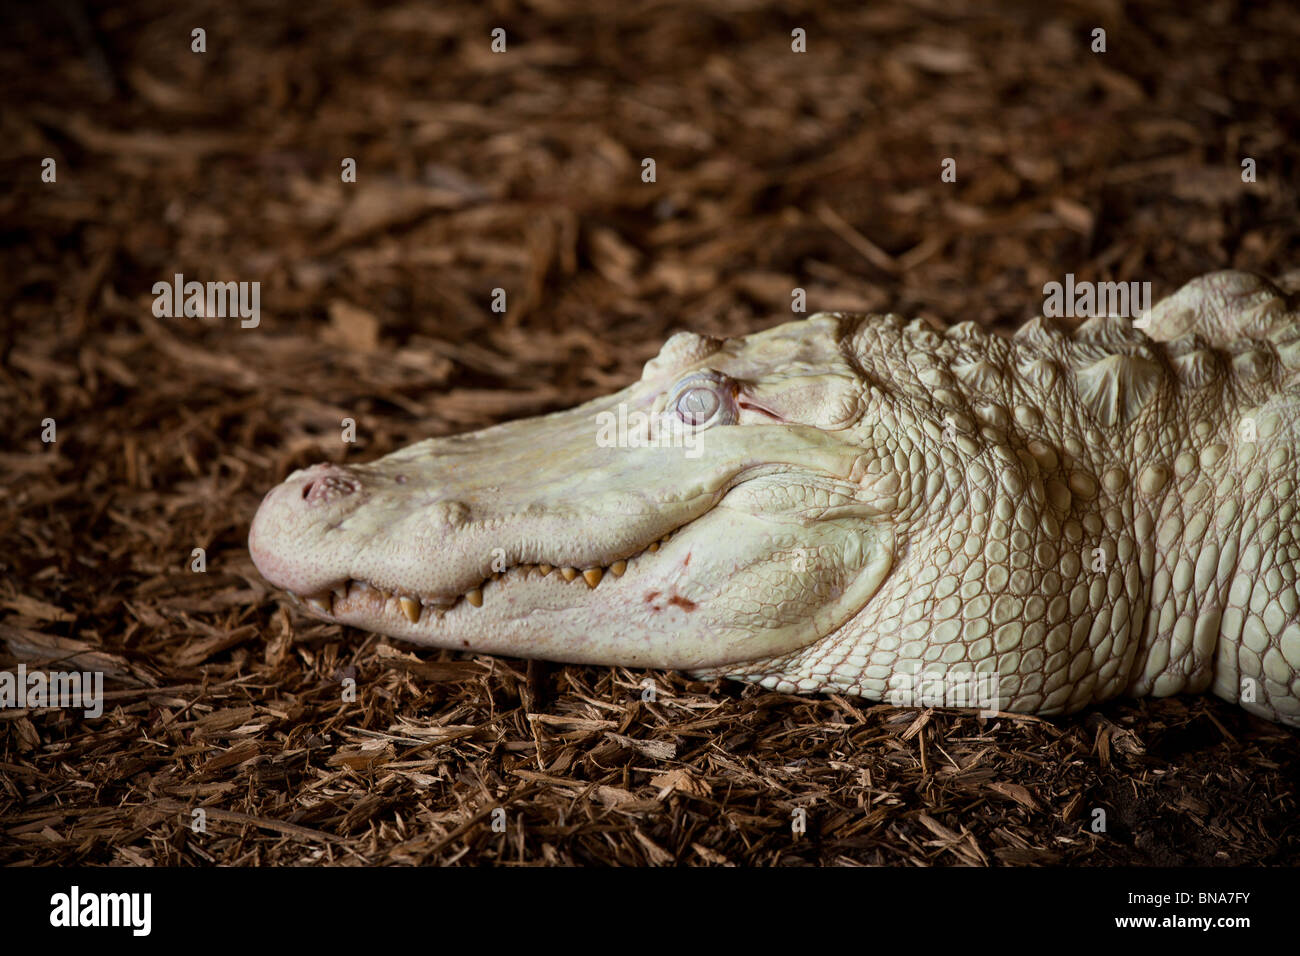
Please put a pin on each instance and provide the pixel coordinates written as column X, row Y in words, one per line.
column 862, row 504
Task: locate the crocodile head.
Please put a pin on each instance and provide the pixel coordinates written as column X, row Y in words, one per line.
column 721, row 510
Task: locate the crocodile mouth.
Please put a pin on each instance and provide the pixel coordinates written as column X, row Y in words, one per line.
column 358, row 597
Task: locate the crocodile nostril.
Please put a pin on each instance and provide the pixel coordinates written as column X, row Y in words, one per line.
column 327, row 488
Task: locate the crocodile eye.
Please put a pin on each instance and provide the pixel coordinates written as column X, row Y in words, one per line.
column 695, row 406
column 705, row 399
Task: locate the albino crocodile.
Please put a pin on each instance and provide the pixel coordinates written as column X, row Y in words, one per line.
column 846, row 502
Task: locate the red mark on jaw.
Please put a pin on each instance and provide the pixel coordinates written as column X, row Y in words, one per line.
column 686, row 604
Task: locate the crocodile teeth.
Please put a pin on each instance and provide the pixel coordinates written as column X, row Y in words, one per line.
column 413, row 607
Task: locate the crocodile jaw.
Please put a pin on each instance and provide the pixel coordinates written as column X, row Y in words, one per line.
column 681, row 605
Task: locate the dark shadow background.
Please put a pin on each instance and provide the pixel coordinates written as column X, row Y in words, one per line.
column 521, row 170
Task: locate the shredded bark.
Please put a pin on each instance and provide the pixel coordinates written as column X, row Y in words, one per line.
column 522, row 171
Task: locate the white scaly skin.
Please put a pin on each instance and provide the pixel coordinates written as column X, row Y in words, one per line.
column 1079, row 514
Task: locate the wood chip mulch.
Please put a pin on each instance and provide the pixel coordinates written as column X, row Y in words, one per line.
column 522, row 171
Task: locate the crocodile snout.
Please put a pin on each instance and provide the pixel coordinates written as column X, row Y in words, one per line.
column 292, row 513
